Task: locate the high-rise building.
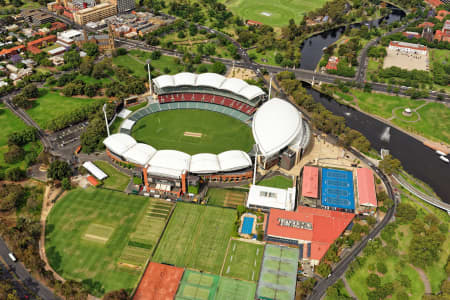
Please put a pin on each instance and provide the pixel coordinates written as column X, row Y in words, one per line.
column 95, row 13
column 124, row 5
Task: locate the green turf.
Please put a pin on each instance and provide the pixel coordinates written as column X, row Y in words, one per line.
column 196, row 237
column 51, row 105
column 165, row 130
column 137, row 106
column 278, row 181
column 116, row 180
column 281, row 10
column 97, row 264
column 131, row 63
column 197, row 286
column 243, row 260
column 218, row 197
column 9, row 123
column 232, row 289
column 91, row 80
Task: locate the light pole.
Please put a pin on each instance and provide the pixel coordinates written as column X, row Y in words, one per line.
column 270, row 86
column 106, row 119
column 256, row 162
column 149, row 76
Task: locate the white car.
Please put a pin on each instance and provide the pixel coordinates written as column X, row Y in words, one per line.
column 13, row 258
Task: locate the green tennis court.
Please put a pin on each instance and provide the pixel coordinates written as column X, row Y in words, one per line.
column 197, row 286
column 233, row 289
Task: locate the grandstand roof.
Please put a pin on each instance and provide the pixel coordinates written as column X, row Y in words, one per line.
column 213, row 80
column 310, row 182
column 233, row 160
column 139, row 154
column 269, row 197
column 204, row 163
column 366, row 187
column 169, row 163
column 119, row 143
column 323, row 227
column 275, row 125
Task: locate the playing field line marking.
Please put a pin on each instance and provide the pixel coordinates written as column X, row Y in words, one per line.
column 193, row 134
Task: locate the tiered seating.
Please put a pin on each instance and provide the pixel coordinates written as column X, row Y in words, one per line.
column 201, row 98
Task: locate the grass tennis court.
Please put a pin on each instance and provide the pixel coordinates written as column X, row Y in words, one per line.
column 165, row 130
column 278, row 181
column 196, row 237
column 273, row 13
column 95, row 264
column 226, row 197
column 116, row 180
column 232, row 289
column 243, row 260
column 197, row 286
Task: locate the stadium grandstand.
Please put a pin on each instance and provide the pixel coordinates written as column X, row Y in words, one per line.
column 209, row 88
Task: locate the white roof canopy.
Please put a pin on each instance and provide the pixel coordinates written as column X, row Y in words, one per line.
column 163, row 81
column 210, row 79
column 184, row 78
column 234, row 160
column 139, row 154
column 169, row 162
column 119, row 143
column 276, row 124
column 251, row 92
column 204, row 163
column 94, row 170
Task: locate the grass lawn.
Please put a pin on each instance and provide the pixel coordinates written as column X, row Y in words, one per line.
column 116, row 180
column 129, row 62
column 196, row 237
column 137, row 106
column 51, row 105
column 225, row 197
column 243, row 260
column 165, row 130
column 9, row 123
column 345, row 97
column 273, row 13
column 232, row 289
column 266, row 57
column 278, row 181
column 89, row 79
column 95, row 263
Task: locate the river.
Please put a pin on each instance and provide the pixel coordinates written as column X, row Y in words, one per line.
column 312, row 47
column 417, row 159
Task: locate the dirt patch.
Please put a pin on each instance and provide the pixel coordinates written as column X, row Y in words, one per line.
column 193, row 134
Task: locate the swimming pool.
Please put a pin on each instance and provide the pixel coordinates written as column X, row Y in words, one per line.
column 247, row 225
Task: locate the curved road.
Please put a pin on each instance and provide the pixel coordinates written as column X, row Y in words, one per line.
column 24, row 276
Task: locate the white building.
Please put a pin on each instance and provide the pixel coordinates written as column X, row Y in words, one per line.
column 67, row 38
column 408, row 48
column 265, row 198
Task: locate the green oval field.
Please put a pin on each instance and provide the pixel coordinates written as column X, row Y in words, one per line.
column 193, row 131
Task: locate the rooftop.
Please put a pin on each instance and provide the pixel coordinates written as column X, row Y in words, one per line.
column 270, row 197
column 310, row 182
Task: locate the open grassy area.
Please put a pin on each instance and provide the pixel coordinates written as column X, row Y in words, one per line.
column 51, row 105
column 225, row 197
column 9, row 123
column 116, row 180
column 433, row 116
column 165, row 130
column 273, row 13
column 129, row 62
column 243, row 260
column 91, row 80
column 278, row 181
column 95, row 264
column 196, row 237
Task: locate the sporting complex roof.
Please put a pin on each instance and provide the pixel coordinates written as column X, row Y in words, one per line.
column 159, row 282
column 94, row 170
column 269, row 197
column 276, row 124
column 173, row 163
column 337, row 189
column 366, row 187
column 212, row 80
column 320, row 227
column 310, row 182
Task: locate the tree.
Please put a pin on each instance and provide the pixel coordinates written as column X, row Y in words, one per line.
column 86, row 66
column 58, row 170
column 21, row 101
column 155, row 55
column 278, row 58
column 381, row 267
column 371, row 220
column 91, row 49
column 30, row 91
column 406, row 212
column 116, row 295
column 324, row 269
column 72, row 58
column 65, row 183
column 14, row 154
column 373, row 280
column 219, row 68
column 390, row 165
column 14, row 174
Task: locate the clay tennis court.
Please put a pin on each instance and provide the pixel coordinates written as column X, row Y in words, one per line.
column 160, row 282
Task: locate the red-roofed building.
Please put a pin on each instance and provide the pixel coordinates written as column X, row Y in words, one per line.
column 434, row 3
column 408, row 48
column 411, row 34
column 254, row 23
column 160, row 282
column 442, row 14
column 426, row 24
column 33, row 45
column 58, row 26
column 310, row 182
column 332, row 63
column 92, row 180
column 366, row 187
column 6, row 53
column 312, row 229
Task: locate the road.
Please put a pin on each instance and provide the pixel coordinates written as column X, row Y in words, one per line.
column 24, row 276
column 321, row 288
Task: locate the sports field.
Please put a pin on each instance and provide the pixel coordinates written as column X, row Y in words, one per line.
column 225, row 197
column 88, row 232
column 274, row 13
column 196, row 237
column 197, row 286
column 217, row 132
column 243, row 260
column 116, row 180
column 232, row 289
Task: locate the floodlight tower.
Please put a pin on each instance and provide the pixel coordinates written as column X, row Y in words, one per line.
column 270, row 86
column 256, row 163
column 149, row 76
column 106, row 119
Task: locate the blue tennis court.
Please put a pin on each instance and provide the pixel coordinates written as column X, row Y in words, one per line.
column 247, row 225
column 337, row 189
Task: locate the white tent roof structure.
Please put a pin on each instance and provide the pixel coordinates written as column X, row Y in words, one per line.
column 251, row 92
column 94, row 170
column 210, row 79
column 233, row 160
column 269, row 197
column 234, row 85
column 276, row 124
column 204, row 163
column 184, row 78
column 163, row 81
column 127, row 124
column 139, row 154
column 169, row 163
column 119, row 143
